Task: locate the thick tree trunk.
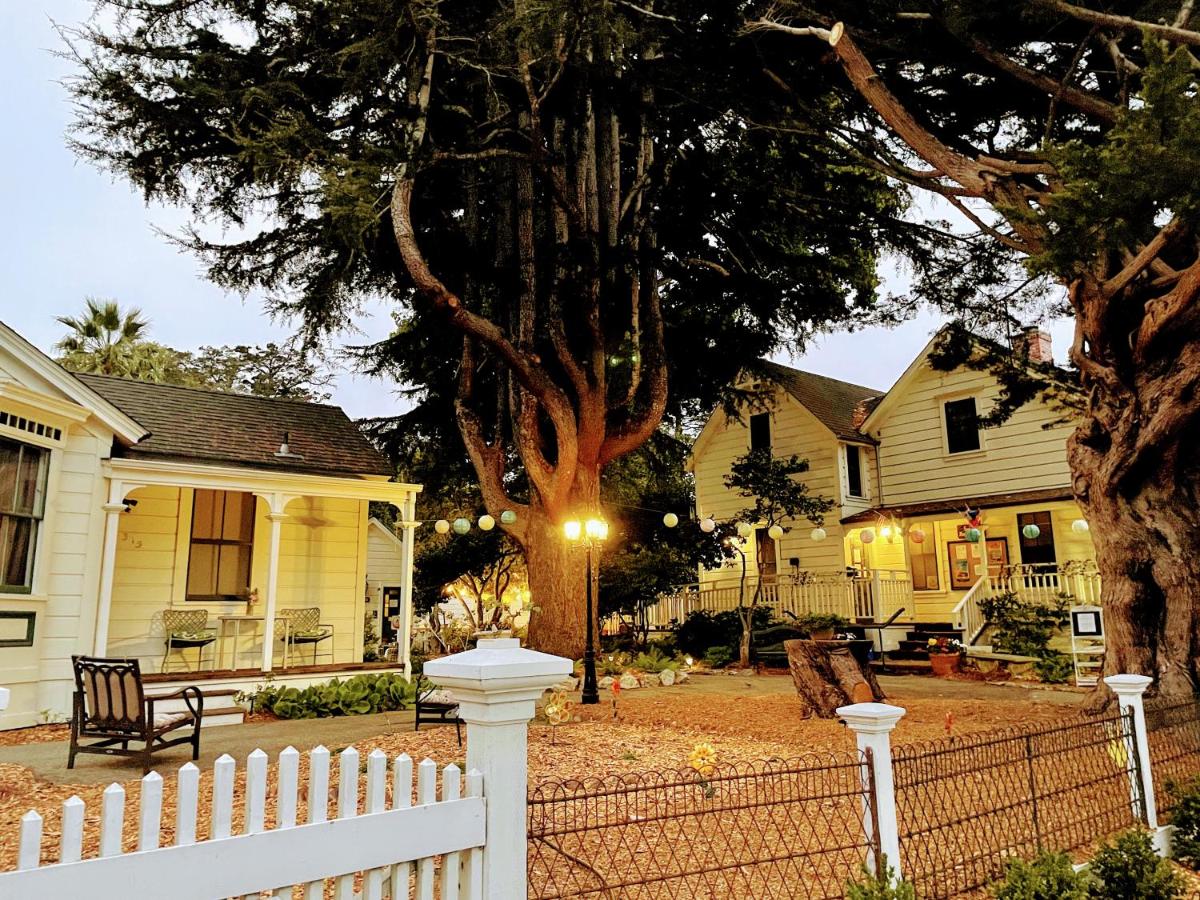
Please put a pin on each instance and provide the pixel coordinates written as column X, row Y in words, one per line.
column 826, row 678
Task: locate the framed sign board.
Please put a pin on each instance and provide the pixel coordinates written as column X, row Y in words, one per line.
column 1087, row 643
column 965, row 564
column 1086, row 622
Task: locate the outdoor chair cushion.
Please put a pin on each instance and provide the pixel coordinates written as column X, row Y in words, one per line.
column 166, row 720
column 439, row 696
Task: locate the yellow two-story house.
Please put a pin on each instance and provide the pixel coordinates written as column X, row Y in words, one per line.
column 932, row 510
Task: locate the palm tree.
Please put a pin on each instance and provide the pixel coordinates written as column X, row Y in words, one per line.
column 107, row 341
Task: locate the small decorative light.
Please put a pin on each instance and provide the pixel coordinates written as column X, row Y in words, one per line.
column 508, row 517
column 573, row 529
column 886, row 531
column 917, row 536
column 670, row 520
column 776, row 532
column 441, row 526
column 461, row 526
column 1080, row 526
column 745, row 529
column 818, row 534
column 707, row 525
column 486, row 523
column 973, row 535
column 868, row 535
column 1031, row 531
column 689, row 661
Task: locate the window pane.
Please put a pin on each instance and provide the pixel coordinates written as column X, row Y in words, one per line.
column 16, row 551
column 962, row 426
column 232, row 574
column 10, row 454
column 202, row 570
column 1038, row 550
column 31, row 481
column 202, row 514
column 766, row 552
column 760, row 431
column 923, row 558
column 854, row 471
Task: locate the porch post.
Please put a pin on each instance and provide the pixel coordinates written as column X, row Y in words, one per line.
column 113, row 509
column 276, row 504
column 408, row 513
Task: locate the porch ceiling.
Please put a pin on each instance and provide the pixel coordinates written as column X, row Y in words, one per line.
column 938, row 507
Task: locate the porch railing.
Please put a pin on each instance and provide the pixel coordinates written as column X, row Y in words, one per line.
column 1074, row 581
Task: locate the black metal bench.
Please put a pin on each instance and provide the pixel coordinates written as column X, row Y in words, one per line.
column 427, row 710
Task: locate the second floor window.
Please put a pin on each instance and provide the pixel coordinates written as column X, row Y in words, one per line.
column 760, row 431
column 222, row 545
column 22, row 502
column 854, row 471
column 962, row 425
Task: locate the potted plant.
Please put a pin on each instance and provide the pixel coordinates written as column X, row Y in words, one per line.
column 945, row 654
column 821, row 626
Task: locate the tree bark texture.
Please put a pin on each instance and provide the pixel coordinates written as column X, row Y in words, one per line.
column 829, row 677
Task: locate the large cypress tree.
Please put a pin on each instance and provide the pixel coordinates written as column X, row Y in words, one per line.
column 575, row 205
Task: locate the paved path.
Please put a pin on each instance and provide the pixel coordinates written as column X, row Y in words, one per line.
column 49, row 760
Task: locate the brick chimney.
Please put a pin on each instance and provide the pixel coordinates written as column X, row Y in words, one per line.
column 1034, row 343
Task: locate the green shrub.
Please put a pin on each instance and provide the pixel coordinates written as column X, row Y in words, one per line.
column 718, row 657
column 654, row 661
column 1054, row 668
column 814, row 621
column 879, row 887
column 703, row 629
column 1048, row 877
column 355, row 696
column 1185, row 842
column 1023, row 628
column 1129, row 869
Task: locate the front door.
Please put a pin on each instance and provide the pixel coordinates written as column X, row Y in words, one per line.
column 391, row 614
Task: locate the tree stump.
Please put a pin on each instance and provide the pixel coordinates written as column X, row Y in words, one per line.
column 828, row 677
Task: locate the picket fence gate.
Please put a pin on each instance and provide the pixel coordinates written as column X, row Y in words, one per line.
column 393, row 849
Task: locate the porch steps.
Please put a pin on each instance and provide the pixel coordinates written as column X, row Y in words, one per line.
column 915, row 646
column 219, row 705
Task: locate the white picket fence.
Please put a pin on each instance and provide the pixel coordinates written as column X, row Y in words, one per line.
column 389, row 849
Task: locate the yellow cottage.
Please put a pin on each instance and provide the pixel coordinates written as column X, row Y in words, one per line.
column 910, row 471
column 131, row 513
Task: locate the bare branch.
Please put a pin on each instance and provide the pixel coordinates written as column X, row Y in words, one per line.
column 1126, row 23
column 1144, row 259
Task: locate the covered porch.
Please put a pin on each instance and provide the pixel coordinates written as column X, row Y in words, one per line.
column 245, row 571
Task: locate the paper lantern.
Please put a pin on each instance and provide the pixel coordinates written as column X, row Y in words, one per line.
column 1031, row 532
column 776, row 532
column 462, row 526
column 670, row 520
column 707, row 525
column 508, row 517
column 818, row 534
column 917, row 536
column 1080, row 526
column 441, row 526
column 745, row 529
column 868, row 535
column 486, row 523
column 973, row 535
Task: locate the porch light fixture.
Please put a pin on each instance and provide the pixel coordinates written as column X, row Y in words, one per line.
column 590, row 534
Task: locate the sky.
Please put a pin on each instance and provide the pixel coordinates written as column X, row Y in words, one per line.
column 69, row 231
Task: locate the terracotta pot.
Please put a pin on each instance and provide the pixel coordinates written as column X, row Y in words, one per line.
column 943, row 663
column 822, row 634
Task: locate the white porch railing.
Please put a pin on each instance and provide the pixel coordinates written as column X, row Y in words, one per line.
column 1076, row 582
column 967, row 615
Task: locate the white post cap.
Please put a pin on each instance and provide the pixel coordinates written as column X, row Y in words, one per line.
column 871, row 718
column 498, row 680
column 1128, row 685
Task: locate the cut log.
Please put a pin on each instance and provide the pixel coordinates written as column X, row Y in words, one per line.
column 828, row 677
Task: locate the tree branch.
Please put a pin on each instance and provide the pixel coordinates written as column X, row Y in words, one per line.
column 1111, row 20
column 1144, row 259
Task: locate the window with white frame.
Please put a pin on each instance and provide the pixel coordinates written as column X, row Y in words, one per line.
column 961, row 420
column 855, row 480
column 23, row 471
column 222, row 545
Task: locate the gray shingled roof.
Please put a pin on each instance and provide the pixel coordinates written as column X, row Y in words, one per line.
column 239, row 429
column 832, row 401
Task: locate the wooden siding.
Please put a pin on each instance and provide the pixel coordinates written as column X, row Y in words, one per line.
column 384, row 569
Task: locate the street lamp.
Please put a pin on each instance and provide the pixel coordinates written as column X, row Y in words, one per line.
column 589, row 534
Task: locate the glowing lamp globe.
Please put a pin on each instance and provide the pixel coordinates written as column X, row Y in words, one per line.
column 776, row 532
column 745, row 529
column 461, row 526
column 707, row 525
column 1080, row 526
column 868, row 535
column 486, row 523
column 670, row 520
column 917, row 536
column 1031, row 532
column 818, row 534
column 973, row 535
column 441, row 526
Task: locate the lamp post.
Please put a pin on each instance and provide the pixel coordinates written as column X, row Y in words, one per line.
column 589, row 534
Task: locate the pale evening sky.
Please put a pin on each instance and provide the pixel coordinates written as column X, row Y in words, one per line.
column 69, row 231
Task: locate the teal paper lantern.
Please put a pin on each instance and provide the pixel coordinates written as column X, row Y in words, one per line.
column 973, row 535
column 462, row 526
column 1031, row 532
column 508, row 517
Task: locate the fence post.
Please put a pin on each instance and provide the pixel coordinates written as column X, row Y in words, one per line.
column 872, row 724
column 1129, row 690
column 496, row 686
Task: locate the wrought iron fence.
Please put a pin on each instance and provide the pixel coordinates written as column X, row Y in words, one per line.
column 1173, row 733
column 775, row 829
column 968, row 805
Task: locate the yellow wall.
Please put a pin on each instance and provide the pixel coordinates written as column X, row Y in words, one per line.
column 1020, row 455
column 322, row 562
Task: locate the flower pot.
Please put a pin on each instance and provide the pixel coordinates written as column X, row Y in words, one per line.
column 822, row 634
column 943, row 663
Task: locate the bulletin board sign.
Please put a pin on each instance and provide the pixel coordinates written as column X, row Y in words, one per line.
column 965, row 562
column 1086, row 622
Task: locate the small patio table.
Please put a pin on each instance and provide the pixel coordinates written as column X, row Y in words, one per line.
column 223, row 628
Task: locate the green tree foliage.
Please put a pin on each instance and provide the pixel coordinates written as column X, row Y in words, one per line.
column 572, row 205
column 270, row 370
column 1185, row 816
column 106, row 340
column 1129, row 869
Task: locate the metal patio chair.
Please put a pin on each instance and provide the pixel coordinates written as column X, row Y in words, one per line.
column 187, row 628
column 305, row 628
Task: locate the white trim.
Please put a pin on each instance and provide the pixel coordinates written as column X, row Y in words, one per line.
column 386, row 532
column 125, row 427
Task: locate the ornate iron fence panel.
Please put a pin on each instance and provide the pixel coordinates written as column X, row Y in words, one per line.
column 1173, row 732
column 774, row 829
column 968, row 805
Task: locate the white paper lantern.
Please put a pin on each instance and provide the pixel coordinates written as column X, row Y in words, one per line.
column 670, row 520
column 868, row 535
column 486, row 523
column 776, row 532
column 441, row 526
column 745, row 529
column 917, row 536
column 818, row 534
column 1080, row 526
column 707, row 525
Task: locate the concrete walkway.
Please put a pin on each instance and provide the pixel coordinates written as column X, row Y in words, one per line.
column 49, row 760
